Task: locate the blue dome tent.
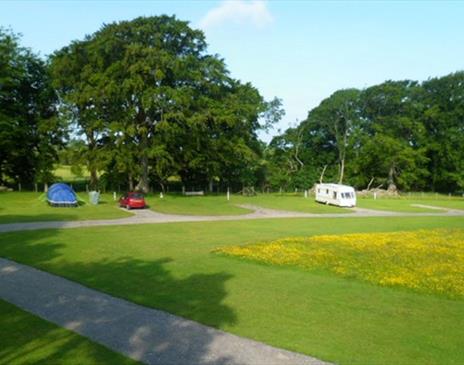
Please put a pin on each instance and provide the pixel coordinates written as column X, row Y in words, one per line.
column 61, row 195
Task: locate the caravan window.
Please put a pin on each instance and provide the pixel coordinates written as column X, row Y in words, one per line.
column 327, row 191
column 318, row 190
column 335, row 195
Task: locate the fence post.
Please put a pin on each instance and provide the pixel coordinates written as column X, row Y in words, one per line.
column 228, row 194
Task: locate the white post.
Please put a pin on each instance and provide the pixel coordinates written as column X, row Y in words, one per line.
column 375, row 195
column 114, row 195
column 161, row 195
column 306, row 194
column 228, row 194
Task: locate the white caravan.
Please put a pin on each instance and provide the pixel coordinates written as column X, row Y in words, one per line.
column 336, row 194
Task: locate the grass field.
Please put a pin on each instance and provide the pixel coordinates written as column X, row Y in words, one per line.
column 427, row 261
column 290, row 202
column 64, row 172
column 218, row 204
column 339, row 319
column 28, row 207
column 406, row 204
column 195, row 205
column 26, row 339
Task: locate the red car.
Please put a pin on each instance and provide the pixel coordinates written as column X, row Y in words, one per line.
column 132, row 200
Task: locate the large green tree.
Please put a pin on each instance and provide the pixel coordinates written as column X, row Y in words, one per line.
column 443, row 118
column 394, row 144
column 30, row 131
column 150, row 88
column 338, row 116
column 75, row 81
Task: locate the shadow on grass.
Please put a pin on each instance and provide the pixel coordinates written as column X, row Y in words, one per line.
column 29, row 218
column 27, row 339
column 146, row 282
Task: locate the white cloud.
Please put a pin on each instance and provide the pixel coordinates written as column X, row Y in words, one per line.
column 253, row 12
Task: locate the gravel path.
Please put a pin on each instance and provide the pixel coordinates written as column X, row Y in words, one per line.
column 147, row 335
column 149, row 216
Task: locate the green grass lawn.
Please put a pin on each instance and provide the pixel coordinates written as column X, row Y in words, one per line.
column 406, row 204
column 29, row 207
column 195, row 205
column 218, row 204
column 444, row 203
column 64, row 172
column 172, row 267
column 293, row 202
column 27, row 339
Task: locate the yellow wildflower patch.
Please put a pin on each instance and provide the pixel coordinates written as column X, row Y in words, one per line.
column 426, row 260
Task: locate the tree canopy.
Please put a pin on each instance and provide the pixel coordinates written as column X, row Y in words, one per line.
column 149, row 89
column 400, row 134
column 30, row 130
column 142, row 104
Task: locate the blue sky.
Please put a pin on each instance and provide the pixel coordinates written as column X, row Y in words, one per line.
column 300, row 51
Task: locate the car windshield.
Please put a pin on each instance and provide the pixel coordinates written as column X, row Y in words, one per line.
column 136, row 196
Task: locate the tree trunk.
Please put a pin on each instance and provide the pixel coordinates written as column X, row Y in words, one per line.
column 370, row 183
column 93, row 178
column 92, row 159
column 131, row 182
column 322, row 174
column 342, row 171
column 210, row 185
column 391, row 181
column 144, row 182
